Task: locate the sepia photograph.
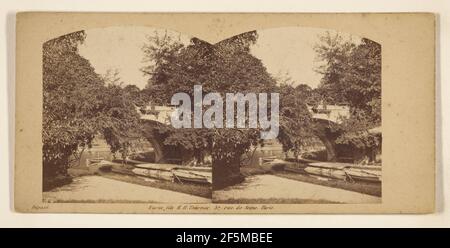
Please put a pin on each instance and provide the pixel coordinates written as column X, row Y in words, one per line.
column 224, row 113
column 118, row 125
column 107, row 136
column 328, row 149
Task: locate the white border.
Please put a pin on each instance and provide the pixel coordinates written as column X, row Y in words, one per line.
column 8, row 218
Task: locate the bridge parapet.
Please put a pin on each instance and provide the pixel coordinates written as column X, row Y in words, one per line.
column 333, row 113
column 159, row 114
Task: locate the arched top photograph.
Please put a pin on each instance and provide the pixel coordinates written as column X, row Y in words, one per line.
column 163, row 114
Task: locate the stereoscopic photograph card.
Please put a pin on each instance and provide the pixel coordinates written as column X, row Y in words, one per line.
column 225, row 113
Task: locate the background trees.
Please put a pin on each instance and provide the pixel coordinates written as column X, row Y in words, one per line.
column 352, row 75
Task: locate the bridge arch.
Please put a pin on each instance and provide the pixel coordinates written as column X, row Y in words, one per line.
column 325, row 118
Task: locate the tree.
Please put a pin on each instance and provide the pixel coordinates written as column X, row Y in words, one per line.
column 160, row 52
column 295, row 118
column 68, row 84
column 112, row 77
column 118, row 120
column 226, row 67
column 352, row 75
column 77, row 106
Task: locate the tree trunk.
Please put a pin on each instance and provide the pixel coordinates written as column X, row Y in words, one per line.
column 226, row 172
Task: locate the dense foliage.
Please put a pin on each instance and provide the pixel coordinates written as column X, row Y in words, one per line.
column 226, row 67
column 77, row 105
column 352, row 75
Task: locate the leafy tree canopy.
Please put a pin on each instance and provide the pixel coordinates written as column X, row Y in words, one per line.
column 226, row 67
column 77, row 105
column 352, row 75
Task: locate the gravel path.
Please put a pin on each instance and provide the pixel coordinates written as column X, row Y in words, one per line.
column 271, row 187
column 100, row 189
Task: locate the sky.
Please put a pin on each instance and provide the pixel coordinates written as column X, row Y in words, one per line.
column 291, row 50
column 282, row 50
column 120, row 48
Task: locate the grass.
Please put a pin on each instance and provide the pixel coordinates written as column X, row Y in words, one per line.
column 361, row 187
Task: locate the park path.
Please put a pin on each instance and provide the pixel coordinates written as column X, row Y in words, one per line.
column 270, row 187
column 100, row 189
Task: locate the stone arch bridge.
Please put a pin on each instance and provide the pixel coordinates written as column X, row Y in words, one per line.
column 325, row 117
